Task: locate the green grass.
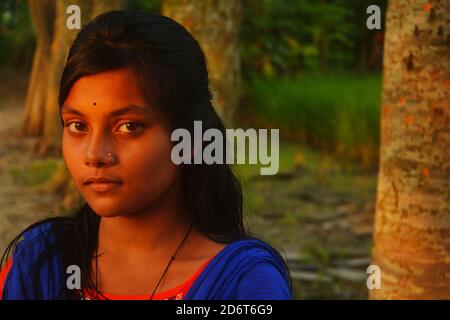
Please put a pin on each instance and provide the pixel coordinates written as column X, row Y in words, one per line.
column 287, row 153
column 294, row 155
column 36, row 173
column 336, row 113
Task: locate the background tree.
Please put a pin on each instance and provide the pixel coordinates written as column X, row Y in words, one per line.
column 42, row 15
column 215, row 24
column 412, row 227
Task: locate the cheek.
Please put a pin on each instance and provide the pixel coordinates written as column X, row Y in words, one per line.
column 149, row 167
column 71, row 156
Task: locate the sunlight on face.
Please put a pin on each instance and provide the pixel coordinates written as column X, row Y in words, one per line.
column 111, row 132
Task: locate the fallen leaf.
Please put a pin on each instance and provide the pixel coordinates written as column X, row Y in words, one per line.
column 427, row 7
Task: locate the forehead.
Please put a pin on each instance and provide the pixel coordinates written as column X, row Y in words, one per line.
column 107, row 90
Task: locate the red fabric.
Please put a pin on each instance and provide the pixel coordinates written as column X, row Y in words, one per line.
column 3, row 274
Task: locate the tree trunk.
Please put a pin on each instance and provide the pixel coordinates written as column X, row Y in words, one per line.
column 412, row 225
column 102, row 6
column 42, row 16
column 215, row 25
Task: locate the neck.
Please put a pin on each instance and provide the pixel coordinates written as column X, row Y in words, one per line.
column 153, row 232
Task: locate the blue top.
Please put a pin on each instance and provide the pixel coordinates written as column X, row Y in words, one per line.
column 247, row 269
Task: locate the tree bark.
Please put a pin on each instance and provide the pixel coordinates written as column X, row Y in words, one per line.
column 102, row 6
column 42, row 15
column 215, row 24
column 412, row 225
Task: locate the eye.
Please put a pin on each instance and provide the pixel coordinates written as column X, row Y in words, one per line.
column 76, row 127
column 130, row 127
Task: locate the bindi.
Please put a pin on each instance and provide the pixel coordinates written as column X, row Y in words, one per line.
column 95, row 103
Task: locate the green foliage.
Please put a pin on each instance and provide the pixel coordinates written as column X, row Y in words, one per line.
column 337, row 113
column 17, row 39
column 278, row 36
column 147, row 5
column 291, row 37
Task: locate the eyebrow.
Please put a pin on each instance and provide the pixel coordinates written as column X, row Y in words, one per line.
column 126, row 110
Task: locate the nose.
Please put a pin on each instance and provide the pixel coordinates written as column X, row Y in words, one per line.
column 99, row 151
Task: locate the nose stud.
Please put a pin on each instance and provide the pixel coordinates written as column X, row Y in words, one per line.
column 109, row 155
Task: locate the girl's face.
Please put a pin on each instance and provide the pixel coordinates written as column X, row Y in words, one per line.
column 110, row 132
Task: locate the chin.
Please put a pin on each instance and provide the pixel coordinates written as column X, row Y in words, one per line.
column 106, row 214
column 105, row 209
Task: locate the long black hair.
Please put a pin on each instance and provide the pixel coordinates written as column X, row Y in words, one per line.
column 172, row 74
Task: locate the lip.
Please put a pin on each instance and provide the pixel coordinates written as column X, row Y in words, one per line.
column 102, row 184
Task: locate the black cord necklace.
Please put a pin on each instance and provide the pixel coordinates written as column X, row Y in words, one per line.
column 165, row 271
column 170, row 261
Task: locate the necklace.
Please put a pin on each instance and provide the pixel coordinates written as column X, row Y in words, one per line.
column 165, row 270
column 170, row 261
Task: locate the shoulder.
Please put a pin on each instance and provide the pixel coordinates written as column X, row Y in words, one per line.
column 37, row 231
column 263, row 281
column 34, row 239
column 266, row 275
column 248, row 269
column 23, row 246
column 253, row 249
column 33, row 263
column 39, row 238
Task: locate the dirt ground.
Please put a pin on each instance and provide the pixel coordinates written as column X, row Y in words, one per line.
column 324, row 232
column 19, row 206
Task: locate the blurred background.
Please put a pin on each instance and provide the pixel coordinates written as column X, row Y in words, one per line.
column 310, row 68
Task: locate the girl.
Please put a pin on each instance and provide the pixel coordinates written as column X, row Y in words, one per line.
column 150, row 229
